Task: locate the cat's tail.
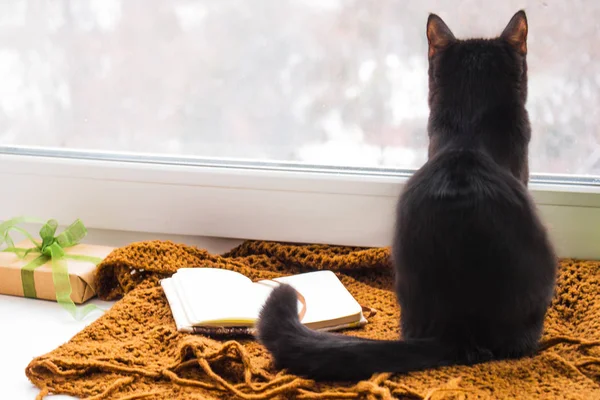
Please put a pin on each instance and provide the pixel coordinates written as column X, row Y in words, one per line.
column 329, row 356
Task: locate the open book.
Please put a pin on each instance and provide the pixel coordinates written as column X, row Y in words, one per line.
column 205, row 300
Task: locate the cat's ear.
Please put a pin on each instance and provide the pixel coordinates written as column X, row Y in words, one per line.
column 438, row 34
column 515, row 32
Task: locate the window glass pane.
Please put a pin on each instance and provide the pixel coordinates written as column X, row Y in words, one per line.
column 341, row 82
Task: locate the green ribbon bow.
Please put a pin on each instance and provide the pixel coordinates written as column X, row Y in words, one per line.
column 50, row 248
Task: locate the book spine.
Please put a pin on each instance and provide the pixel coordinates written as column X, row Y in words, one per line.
column 245, row 332
column 222, row 332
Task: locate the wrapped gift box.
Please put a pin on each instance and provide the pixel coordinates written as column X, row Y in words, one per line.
column 81, row 273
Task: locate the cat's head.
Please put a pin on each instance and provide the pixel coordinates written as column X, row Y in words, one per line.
column 464, row 73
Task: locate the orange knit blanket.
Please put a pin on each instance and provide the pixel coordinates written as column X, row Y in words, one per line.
column 135, row 352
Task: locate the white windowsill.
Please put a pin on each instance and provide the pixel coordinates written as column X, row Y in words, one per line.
column 265, row 203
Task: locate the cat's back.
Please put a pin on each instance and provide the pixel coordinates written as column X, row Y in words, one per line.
column 465, row 219
column 462, row 203
column 467, row 231
column 463, row 176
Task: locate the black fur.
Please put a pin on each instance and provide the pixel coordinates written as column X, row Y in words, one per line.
column 475, row 271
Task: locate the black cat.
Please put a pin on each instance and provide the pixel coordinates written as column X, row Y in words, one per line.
column 475, row 270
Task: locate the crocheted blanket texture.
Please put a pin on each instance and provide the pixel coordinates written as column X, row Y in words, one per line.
column 134, row 351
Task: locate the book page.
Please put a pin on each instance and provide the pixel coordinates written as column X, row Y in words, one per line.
column 216, row 297
column 328, row 302
column 205, row 276
column 181, row 320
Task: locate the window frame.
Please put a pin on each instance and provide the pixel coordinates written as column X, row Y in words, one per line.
column 244, row 199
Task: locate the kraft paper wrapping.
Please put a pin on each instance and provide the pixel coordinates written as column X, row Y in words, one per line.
column 81, row 273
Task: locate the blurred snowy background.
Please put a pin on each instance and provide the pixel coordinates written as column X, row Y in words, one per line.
column 335, row 82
